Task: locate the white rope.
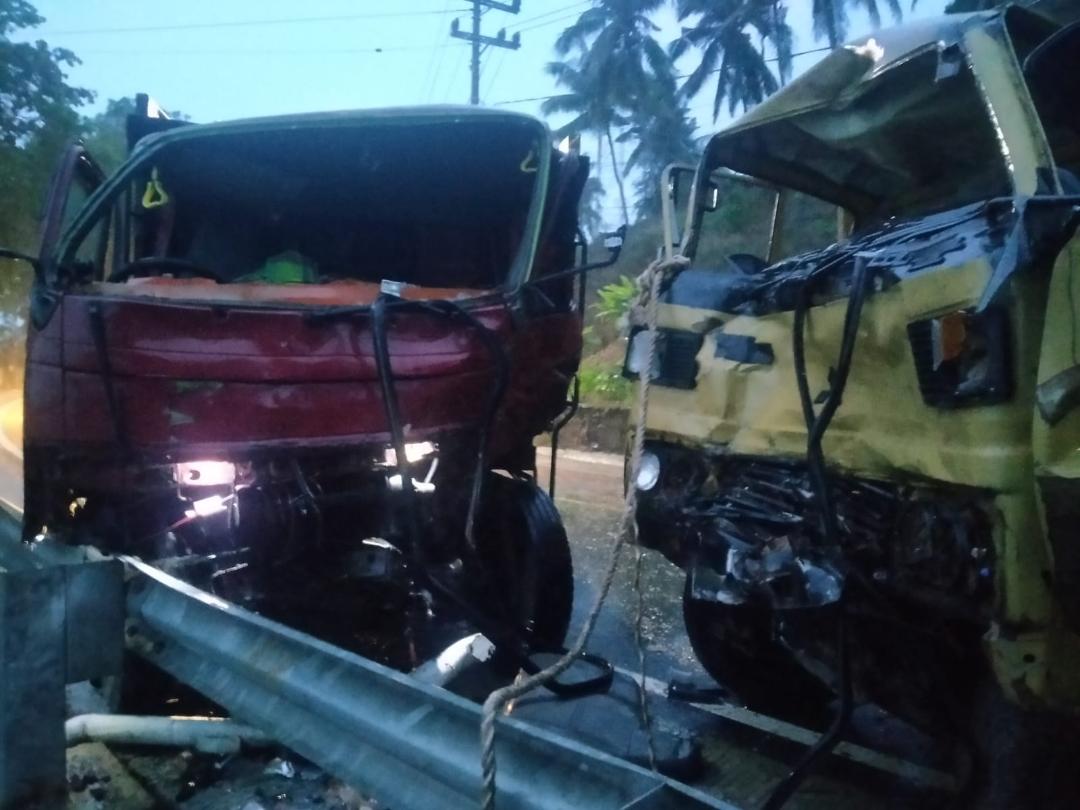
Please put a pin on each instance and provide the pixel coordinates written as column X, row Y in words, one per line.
column 649, row 286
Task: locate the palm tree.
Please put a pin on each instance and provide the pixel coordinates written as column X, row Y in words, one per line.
column 591, row 106
column 616, row 59
column 731, row 36
column 590, row 207
column 830, row 17
column 725, row 34
column 662, row 132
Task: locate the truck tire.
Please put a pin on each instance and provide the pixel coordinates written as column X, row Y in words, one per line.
column 734, row 644
column 520, row 527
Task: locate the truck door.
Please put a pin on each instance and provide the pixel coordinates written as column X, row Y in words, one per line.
column 75, row 179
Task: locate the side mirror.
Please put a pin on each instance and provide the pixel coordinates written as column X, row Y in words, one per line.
column 680, row 176
column 613, row 243
column 712, row 197
column 33, row 261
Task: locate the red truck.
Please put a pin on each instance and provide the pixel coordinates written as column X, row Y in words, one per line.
column 301, row 361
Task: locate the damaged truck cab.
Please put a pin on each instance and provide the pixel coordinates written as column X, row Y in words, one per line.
column 301, row 362
column 865, row 405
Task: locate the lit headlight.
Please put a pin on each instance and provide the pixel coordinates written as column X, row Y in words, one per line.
column 413, row 452
column 205, row 474
column 648, row 471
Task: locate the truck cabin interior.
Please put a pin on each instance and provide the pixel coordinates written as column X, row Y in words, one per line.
column 444, row 204
column 860, row 155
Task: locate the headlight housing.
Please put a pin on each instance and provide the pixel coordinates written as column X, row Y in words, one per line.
column 962, row 358
column 648, row 471
column 675, row 361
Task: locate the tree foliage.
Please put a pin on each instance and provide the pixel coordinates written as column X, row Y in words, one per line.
column 37, row 119
column 730, row 36
column 34, row 92
column 611, row 62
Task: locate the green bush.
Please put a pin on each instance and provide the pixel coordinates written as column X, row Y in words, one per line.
column 614, row 299
column 604, row 384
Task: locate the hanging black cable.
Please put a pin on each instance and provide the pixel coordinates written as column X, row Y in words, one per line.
column 393, row 419
column 816, row 427
column 101, row 348
column 501, row 361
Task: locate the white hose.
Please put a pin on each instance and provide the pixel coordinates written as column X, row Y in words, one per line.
column 210, row 735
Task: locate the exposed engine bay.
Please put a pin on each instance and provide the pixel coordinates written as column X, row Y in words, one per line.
column 918, row 558
column 325, row 543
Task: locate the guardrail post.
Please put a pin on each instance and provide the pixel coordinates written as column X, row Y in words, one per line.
column 32, row 659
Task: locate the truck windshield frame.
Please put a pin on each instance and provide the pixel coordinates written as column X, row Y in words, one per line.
column 840, row 152
column 536, row 164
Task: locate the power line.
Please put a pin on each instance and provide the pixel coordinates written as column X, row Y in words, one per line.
column 438, row 51
column 244, row 23
column 454, row 73
column 553, row 11
column 252, row 51
column 546, row 23
column 495, row 68
column 677, row 76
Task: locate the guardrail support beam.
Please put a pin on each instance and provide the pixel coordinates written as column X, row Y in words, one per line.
column 32, row 652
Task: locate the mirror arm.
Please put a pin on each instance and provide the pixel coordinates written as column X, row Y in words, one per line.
column 613, row 256
column 33, row 261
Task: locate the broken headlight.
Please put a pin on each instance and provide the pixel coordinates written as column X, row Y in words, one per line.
column 675, row 361
column 962, row 358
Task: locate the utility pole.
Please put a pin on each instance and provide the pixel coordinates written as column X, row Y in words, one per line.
column 478, row 40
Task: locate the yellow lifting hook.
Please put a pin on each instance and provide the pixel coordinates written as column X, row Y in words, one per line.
column 155, row 195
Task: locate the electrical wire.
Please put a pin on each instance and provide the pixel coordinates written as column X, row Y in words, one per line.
column 139, row 29
column 677, row 76
column 252, row 51
column 527, row 20
column 462, row 52
column 438, row 51
column 546, row 23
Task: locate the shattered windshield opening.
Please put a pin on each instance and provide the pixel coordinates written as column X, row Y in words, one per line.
column 1052, row 71
column 739, row 229
column 915, row 141
column 436, row 205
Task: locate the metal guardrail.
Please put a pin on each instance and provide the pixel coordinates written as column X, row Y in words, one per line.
column 406, row 744
column 61, row 621
column 403, row 742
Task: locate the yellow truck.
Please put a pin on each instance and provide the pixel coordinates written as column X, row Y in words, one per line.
column 863, row 439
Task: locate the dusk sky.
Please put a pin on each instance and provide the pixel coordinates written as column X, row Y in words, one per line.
column 217, row 60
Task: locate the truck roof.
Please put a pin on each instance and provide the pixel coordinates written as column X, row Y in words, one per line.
column 848, row 67
column 405, row 115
